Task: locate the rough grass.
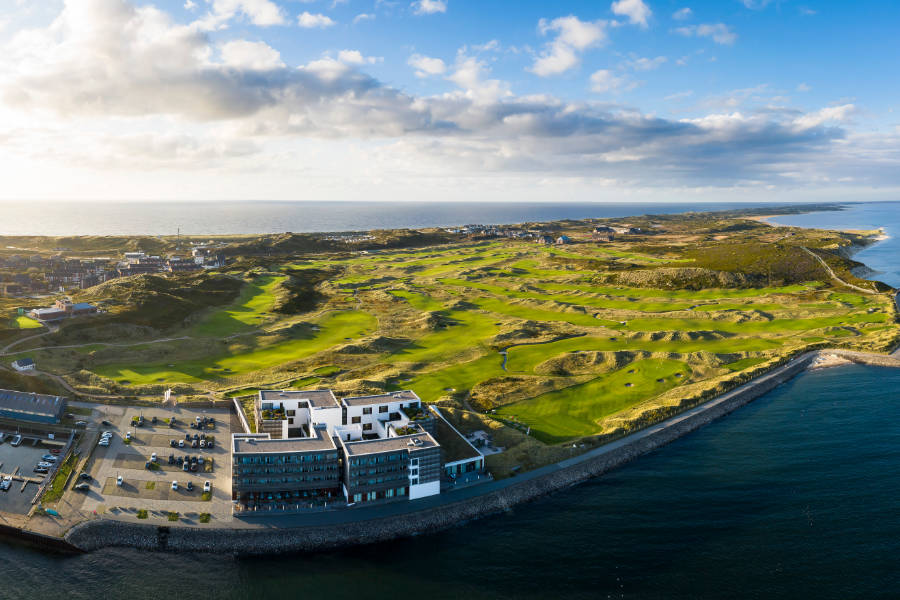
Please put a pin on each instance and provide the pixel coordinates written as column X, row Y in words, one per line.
column 335, row 328
column 249, row 311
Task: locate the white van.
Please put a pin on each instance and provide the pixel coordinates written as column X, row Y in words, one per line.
column 16, row 440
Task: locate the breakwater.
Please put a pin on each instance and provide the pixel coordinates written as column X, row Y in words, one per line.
column 102, row 533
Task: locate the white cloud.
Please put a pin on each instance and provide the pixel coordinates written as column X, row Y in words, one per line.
column 682, row 14
column 719, row 32
column 803, row 87
column 603, row 81
column 256, row 56
column 756, row 4
column 831, row 114
column 426, row 65
column 260, row 12
column 429, row 7
column 355, row 57
column 363, row 17
column 646, row 64
column 636, row 11
column 189, row 5
column 574, row 36
column 111, row 84
column 312, row 21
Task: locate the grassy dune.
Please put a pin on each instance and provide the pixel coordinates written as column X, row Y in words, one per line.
column 248, row 312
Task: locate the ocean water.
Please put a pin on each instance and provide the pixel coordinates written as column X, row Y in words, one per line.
column 793, row 496
column 222, row 218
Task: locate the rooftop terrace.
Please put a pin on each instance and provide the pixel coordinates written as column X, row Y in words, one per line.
column 263, row 444
column 402, row 396
column 406, row 442
column 316, row 398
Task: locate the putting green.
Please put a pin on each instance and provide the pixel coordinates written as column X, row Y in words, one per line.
column 574, row 411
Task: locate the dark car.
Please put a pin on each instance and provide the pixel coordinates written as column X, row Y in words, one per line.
column 179, row 460
column 82, row 487
column 85, row 476
column 190, row 486
column 153, row 420
column 172, row 423
column 41, row 470
column 171, row 459
column 194, row 443
column 173, row 443
column 105, row 422
column 210, row 443
column 194, row 467
column 147, row 465
column 200, row 461
column 194, row 459
column 187, row 436
column 196, row 436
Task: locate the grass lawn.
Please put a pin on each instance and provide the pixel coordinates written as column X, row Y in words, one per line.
column 459, row 377
column 574, row 411
column 246, row 313
column 418, row 300
column 23, row 322
column 525, row 358
column 744, row 363
column 334, row 328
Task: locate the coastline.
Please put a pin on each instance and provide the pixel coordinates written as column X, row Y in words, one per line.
column 106, row 532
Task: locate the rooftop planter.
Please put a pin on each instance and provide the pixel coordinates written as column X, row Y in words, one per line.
column 416, row 414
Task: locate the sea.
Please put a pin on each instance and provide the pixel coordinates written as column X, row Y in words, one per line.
column 249, row 217
column 796, row 495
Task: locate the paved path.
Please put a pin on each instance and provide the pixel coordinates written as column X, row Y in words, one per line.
column 832, row 274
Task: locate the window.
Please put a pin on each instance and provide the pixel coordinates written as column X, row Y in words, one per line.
column 356, row 420
column 414, row 481
column 382, row 409
column 367, row 410
column 291, row 413
column 367, row 427
column 357, row 497
column 290, row 421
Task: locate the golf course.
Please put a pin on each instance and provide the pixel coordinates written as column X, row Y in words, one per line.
column 552, row 343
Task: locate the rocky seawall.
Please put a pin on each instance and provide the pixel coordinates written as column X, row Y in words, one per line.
column 103, row 533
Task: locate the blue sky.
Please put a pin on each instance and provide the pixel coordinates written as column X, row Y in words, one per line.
column 449, row 99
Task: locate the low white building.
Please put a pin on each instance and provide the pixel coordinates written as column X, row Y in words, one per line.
column 24, row 364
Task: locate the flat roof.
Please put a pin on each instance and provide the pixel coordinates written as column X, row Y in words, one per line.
column 28, row 403
column 390, row 444
column 316, row 398
column 242, row 444
column 402, row 396
column 454, row 446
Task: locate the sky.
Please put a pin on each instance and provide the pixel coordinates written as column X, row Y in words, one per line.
column 419, row 100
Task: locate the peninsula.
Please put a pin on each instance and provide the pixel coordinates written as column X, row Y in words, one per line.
column 252, row 383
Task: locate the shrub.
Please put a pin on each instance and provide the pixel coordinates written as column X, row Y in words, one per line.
column 172, row 516
column 205, row 517
column 207, row 496
column 142, row 513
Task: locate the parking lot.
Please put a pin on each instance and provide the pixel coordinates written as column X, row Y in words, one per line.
column 16, row 461
column 151, row 488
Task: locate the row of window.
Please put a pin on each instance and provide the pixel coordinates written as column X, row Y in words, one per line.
column 263, row 470
column 286, row 480
column 286, row 458
column 388, row 493
column 363, row 472
column 372, row 460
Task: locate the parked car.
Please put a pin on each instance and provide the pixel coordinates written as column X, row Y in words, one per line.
column 203, row 443
column 210, row 444
column 45, row 464
column 187, row 437
column 194, row 443
column 200, row 461
column 153, row 457
column 80, row 423
column 194, row 467
column 49, row 458
column 41, row 470
column 186, row 466
column 190, row 486
column 55, row 451
column 105, row 422
column 147, row 464
column 82, row 487
column 16, row 441
column 173, row 443
column 171, row 459
column 128, row 435
column 120, row 480
column 6, row 482
column 103, row 442
column 153, row 420
column 171, row 423
column 196, row 436
column 195, row 459
column 85, row 476
column 181, row 443
column 174, row 485
column 207, row 486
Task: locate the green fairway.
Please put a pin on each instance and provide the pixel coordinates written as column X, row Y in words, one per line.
column 23, row 322
column 248, row 312
column 457, row 378
column 467, row 329
column 574, row 411
column 524, row 359
column 334, row 329
column 418, row 300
